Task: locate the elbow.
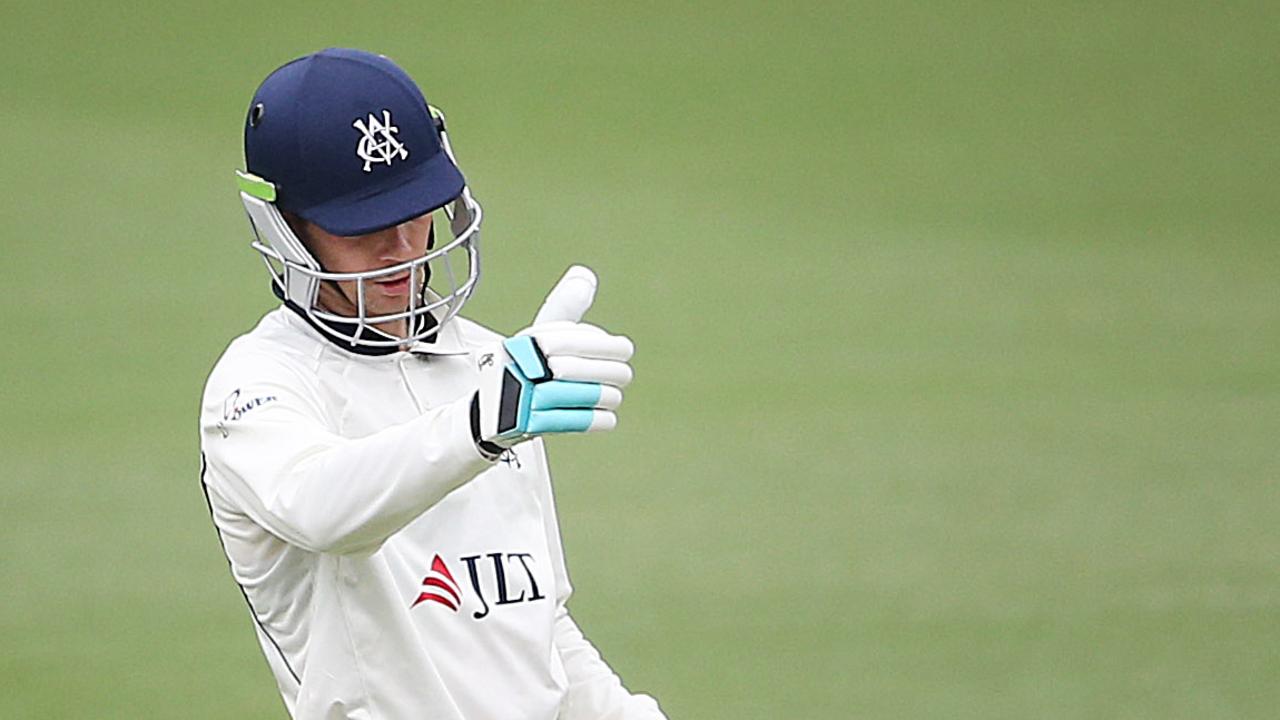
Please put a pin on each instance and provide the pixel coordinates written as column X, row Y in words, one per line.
column 330, row 533
column 341, row 543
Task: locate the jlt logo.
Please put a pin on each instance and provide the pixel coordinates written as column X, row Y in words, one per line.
column 378, row 143
column 501, row 572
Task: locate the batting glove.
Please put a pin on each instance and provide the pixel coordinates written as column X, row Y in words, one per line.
column 559, row 375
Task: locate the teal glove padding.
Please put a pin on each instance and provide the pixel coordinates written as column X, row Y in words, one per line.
column 557, row 376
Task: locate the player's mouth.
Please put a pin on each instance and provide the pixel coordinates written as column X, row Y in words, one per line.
column 396, row 285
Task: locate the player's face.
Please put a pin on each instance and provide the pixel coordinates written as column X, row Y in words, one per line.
column 398, row 244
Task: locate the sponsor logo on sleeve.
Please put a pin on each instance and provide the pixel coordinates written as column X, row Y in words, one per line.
column 233, row 408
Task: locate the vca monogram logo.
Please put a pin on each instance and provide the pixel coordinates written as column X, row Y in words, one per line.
column 504, row 578
column 378, row 144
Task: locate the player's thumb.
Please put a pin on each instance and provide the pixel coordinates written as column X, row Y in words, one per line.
column 570, row 298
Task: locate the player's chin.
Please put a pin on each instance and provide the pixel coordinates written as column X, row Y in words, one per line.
column 378, row 303
column 383, row 309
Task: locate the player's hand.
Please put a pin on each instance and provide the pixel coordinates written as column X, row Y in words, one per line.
column 559, row 375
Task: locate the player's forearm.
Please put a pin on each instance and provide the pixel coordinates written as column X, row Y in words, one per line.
column 338, row 495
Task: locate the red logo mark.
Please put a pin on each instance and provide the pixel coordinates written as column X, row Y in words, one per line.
column 440, row 579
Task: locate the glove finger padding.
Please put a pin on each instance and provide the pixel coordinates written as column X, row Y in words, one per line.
column 562, row 421
column 582, row 340
column 556, row 394
column 577, row 369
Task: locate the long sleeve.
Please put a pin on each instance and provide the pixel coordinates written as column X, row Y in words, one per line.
column 270, row 451
column 595, row 690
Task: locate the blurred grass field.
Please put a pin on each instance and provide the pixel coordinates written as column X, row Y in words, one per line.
column 958, row 392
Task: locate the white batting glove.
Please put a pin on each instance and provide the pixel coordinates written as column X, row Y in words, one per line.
column 559, row 375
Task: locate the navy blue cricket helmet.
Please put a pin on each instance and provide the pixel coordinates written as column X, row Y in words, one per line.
column 345, row 140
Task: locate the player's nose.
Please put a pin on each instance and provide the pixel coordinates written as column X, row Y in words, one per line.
column 397, row 243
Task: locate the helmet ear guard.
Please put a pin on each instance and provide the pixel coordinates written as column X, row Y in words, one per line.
column 277, row 242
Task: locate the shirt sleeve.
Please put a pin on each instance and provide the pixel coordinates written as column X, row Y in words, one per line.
column 595, row 690
column 271, row 452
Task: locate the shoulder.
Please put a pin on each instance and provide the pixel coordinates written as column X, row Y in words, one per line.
column 472, row 334
column 275, row 352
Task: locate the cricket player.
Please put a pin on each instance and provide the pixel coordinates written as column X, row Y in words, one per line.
column 374, row 462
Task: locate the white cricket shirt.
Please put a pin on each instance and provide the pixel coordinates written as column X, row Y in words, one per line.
column 392, row 571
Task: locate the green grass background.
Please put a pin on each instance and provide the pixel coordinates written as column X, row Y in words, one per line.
column 957, row 395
